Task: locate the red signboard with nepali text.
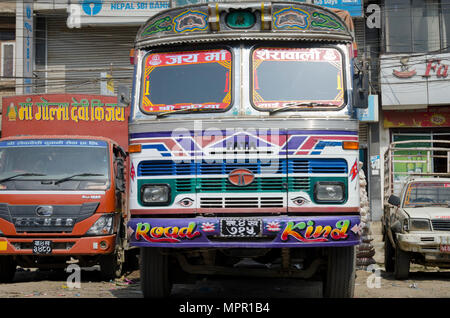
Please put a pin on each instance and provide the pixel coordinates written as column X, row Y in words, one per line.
column 65, row 114
column 433, row 117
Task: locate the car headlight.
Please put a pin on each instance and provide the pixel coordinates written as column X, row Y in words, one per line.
column 103, row 226
column 419, row 225
column 329, row 192
column 155, row 194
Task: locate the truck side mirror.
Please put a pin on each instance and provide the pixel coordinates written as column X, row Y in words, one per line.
column 360, row 89
column 394, row 200
column 123, row 96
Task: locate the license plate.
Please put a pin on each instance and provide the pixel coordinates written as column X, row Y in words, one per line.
column 445, row 248
column 42, row 247
column 240, row 228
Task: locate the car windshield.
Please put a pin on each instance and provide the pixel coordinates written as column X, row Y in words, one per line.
column 424, row 194
column 297, row 78
column 41, row 164
column 191, row 81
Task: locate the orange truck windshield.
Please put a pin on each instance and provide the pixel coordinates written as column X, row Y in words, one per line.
column 53, row 164
column 297, row 77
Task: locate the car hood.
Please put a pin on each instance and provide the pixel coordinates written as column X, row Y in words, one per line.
column 438, row 212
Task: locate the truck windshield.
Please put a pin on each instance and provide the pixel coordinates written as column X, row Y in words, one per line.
column 41, row 164
column 194, row 81
column 297, row 78
column 427, row 194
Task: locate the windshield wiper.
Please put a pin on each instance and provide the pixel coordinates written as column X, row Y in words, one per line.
column 295, row 105
column 177, row 111
column 77, row 175
column 22, row 175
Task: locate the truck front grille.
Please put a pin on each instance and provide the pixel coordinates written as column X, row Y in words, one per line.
column 256, row 166
column 62, row 219
column 441, row 225
column 245, row 202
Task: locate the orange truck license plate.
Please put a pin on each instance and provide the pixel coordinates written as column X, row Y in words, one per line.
column 42, row 247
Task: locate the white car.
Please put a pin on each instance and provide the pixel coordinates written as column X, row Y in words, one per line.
column 417, row 226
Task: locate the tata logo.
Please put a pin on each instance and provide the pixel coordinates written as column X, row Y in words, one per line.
column 44, row 210
column 241, row 177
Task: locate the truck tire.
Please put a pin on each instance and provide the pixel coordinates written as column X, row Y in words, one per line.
column 402, row 262
column 154, row 268
column 389, row 253
column 340, row 276
column 7, row 269
column 110, row 266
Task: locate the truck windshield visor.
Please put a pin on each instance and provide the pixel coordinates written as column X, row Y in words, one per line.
column 427, row 194
column 54, row 165
column 297, row 78
column 191, row 81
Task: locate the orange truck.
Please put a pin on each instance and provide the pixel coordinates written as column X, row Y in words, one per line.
column 63, row 185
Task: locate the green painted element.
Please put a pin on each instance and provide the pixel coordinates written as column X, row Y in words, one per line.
column 160, row 25
column 326, row 22
column 221, row 185
column 240, row 19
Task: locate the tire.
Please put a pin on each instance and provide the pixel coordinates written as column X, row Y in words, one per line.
column 7, row 269
column 111, row 266
column 401, row 266
column 389, row 253
column 340, row 276
column 154, row 268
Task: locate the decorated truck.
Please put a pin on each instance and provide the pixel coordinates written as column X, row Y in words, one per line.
column 63, row 184
column 416, row 219
column 244, row 145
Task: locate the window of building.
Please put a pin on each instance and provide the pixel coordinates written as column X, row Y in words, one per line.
column 7, row 60
column 431, row 138
column 417, row 26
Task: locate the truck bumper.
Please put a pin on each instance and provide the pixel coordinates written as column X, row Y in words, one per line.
column 434, row 246
column 275, row 232
column 60, row 246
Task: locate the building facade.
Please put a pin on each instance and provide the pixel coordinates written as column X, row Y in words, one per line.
column 7, row 49
column 413, row 77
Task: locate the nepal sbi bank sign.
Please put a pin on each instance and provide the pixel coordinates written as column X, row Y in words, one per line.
column 108, row 12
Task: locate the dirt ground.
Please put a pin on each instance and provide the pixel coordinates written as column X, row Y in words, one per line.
column 423, row 283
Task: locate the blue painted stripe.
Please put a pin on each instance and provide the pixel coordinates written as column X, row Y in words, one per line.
column 291, row 166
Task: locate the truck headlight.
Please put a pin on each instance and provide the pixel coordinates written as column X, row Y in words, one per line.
column 419, row 225
column 155, row 194
column 329, row 192
column 103, row 226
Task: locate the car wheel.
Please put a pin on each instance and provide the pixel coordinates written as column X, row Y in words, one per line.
column 389, row 254
column 402, row 262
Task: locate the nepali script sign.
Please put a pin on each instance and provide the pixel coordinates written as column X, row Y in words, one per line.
column 65, row 114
